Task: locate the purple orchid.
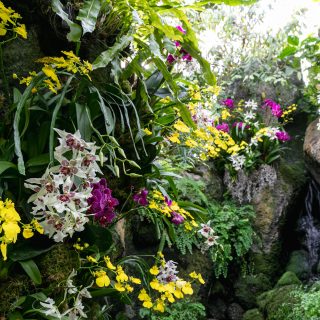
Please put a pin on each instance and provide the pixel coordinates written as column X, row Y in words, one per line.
column 228, row 103
column 223, row 127
column 274, row 107
column 177, row 218
column 171, row 59
column 181, row 29
column 141, row 197
column 102, row 203
column 283, row 136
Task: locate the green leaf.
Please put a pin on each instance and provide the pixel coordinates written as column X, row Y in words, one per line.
column 5, row 165
column 83, row 122
column 107, row 56
column 26, row 250
column 40, row 160
column 293, row 40
column 22, row 104
column 88, row 15
column 75, row 30
column 287, row 51
column 32, row 270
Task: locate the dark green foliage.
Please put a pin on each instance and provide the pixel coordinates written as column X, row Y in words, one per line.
column 185, row 240
column 232, row 224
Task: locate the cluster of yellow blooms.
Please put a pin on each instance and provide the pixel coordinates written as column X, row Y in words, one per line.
column 103, row 275
column 8, row 22
column 70, row 63
column 169, row 208
column 9, row 226
column 79, row 247
column 209, row 141
column 287, row 114
column 166, row 291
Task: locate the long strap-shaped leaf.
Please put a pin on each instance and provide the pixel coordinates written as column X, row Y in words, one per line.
column 54, row 117
column 75, row 30
column 21, row 104
column 88, row 15
column 106, row 56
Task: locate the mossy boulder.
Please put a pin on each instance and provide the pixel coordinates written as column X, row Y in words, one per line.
column 288, row 278
column 272, row 301
column 299, row 264
column 57, row 264
column 12, row 289
column 249, row 287
column 253, row 314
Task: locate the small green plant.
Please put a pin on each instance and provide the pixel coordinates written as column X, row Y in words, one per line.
column 306, row 306
column 181, row 311
column 232, row 225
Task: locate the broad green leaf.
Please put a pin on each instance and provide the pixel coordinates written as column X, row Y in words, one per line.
column 26, row 250
column 88, row 15
column 75, row 30
column 287, row 51
column 107, row 56
column 293, row 40
column 32, row 270
column 83, row 122
column 5, row 165
column 40, row 160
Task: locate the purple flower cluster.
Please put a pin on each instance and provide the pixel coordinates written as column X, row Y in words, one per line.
column 223, row 127
column 274, row 107
column 101, row 202
column 176, row 218
column 181, row 52
column 228, row 103
column 283, row 136
column 141, row 197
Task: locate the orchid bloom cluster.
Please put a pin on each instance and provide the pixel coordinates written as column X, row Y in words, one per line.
column 166, row 286
column 9, row 226
column 209, row 236
column 109, row 275
column 236, row 133
column 180, row 53
column 159, row 203
column 73, row 308
column 9, row 22
column 70, row 63
column 68, row 193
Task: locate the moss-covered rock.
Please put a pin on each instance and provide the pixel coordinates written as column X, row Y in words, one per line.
column 253, row 314
column 57, row 264
column 12, row 289
column 288, row 278
column 249, row 287
column 299, row 264
column 271, row 302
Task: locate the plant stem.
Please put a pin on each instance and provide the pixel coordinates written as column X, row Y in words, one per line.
column 3, row 76
column 78, row 47
column 162, row 241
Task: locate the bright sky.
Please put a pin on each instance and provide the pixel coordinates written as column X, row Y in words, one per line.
column 283, row 10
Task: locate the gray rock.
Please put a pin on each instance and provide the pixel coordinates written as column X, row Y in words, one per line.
column 311, row 149
column 235, row 311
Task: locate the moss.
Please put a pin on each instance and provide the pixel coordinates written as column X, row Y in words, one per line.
column 267, row 263
column 56, row 265
column 288, row 278
column 293, row 173
column 12, row 289
column 249, row 287
column 299, row 264
column 253, row 314
column 272, row 301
